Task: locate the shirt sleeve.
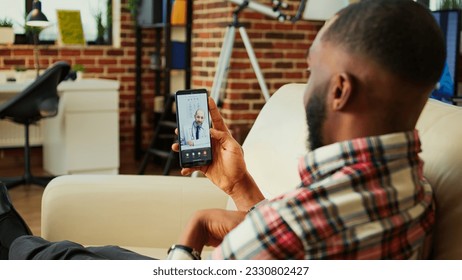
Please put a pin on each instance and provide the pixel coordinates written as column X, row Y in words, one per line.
column 264, row 234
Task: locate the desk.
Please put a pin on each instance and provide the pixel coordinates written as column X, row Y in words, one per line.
column 84, row 136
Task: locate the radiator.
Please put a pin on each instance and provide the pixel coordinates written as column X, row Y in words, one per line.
column 12, row 134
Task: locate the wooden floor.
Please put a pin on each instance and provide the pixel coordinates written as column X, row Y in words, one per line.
column 27, row 198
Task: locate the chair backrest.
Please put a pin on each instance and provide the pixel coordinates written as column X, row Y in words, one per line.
column 279, row 137
column 39, row 99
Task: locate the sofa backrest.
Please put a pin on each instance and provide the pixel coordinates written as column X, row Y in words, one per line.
column 276, row 141
column 279, row 137
column 440, row 127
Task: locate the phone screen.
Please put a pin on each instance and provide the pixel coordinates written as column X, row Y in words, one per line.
column 192, row 115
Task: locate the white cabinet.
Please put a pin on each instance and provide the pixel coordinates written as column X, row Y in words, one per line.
column 84, row 137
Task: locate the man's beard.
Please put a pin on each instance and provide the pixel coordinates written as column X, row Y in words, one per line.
column 315, row 117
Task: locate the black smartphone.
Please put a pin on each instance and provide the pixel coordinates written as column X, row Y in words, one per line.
column 192, row 118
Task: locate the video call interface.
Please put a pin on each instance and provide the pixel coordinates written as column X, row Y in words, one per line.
column 194, row 127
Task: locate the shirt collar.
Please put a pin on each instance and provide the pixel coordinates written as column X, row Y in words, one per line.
column 324, row 161
column 195, row 125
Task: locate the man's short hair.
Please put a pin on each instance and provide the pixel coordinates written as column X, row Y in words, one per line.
column 402, row 36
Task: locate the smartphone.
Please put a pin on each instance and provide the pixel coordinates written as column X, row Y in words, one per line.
column 193, row 122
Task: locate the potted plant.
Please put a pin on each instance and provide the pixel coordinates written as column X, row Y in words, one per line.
column 78, row 69
column 133, row 6
column 100, row 28
column 6, row 31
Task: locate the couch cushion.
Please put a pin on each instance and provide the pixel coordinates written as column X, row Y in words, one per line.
column 124, row 210
column 441, row 135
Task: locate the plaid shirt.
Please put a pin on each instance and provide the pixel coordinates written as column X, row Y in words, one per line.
column 360, row 199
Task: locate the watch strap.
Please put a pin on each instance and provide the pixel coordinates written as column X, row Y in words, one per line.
column 181, row 252
column 264, row 201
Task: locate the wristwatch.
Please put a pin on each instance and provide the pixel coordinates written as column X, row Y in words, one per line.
column 264, row 201
column 181, row 252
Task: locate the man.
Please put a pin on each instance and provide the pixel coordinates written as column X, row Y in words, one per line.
column 362, row 193
column 197, row 134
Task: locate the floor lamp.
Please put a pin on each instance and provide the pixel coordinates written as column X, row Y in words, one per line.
column 37, row 21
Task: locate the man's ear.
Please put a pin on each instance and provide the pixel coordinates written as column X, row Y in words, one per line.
column 341, row 91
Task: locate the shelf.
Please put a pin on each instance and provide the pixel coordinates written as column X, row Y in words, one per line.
column 172, row 56
column 154, row 25
column 163, row 25
column 173, row 71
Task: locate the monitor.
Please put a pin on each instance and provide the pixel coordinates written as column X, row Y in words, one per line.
column 446, row 88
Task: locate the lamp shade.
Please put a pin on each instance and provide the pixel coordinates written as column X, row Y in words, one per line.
column 36, row 17
column 323, row 9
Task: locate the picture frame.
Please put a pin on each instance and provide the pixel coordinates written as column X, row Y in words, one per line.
column 70, row 29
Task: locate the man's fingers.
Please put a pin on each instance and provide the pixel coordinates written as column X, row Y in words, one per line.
column 217, row 120
column 176, row 147
column 189, row 171
column 186, row 171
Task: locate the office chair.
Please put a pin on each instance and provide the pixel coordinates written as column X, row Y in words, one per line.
column 39, row 100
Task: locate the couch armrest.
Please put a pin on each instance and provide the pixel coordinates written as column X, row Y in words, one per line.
column 124, row 210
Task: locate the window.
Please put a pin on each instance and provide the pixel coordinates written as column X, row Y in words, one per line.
column 88, row 11
column 16, row 10
column 438, row 4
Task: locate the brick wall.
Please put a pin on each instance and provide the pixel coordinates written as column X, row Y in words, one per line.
column 280, row 49
column 104, row 62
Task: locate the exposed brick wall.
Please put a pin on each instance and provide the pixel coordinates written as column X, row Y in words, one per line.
column 280, row 49
column 104, row 62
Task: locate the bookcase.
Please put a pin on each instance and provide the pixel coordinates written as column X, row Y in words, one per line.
column 171, row 64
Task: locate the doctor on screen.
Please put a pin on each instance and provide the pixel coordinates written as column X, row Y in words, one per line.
column 197, row 134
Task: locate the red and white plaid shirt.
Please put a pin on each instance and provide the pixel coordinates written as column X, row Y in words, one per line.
column 360, row 199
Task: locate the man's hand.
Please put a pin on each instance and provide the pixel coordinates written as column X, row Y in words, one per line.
column 209, row 227
column 227, row 170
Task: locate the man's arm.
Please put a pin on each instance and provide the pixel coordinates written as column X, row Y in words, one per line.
column 209, row 227
column 261, row 234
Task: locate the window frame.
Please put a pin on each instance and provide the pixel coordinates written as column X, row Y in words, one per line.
column 113, row 31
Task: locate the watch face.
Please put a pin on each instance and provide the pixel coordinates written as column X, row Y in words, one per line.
column 180, row 252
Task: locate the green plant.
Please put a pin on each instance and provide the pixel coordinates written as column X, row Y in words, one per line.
column 20, row 69
column 133, row 8
column 78, row 68
column 100, row 28
column 109, row 15
column 450, row 4
column 6, row 22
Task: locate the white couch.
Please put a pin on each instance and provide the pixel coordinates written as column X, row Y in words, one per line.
column 147, row 213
